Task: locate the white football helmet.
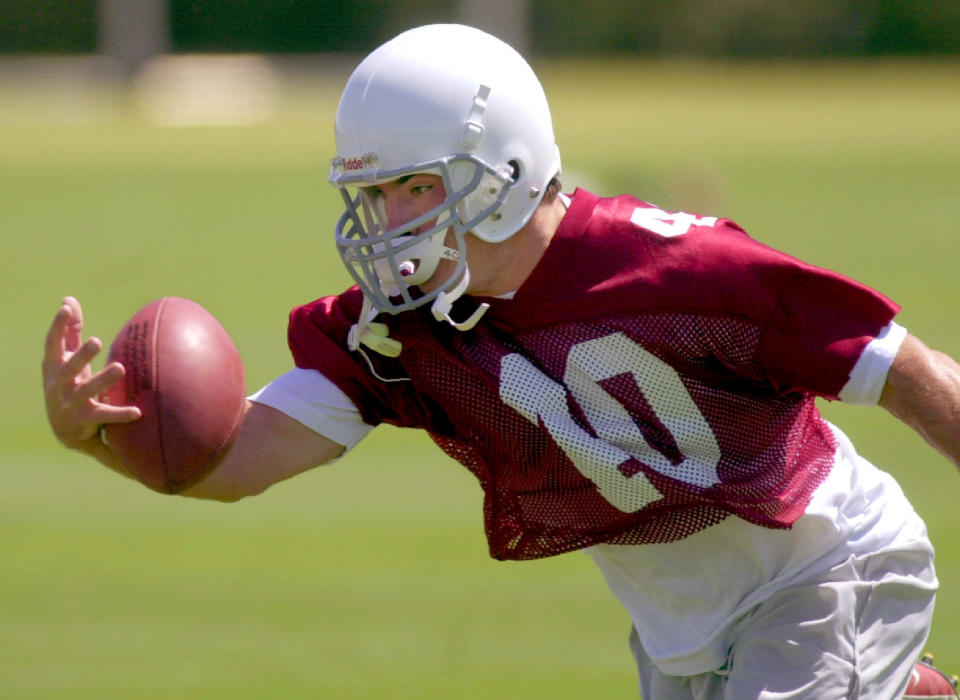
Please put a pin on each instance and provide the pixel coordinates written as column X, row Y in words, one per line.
column 452, row 101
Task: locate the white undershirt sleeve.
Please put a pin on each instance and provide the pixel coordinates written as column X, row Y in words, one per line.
column 870, row 373
column 307, row 396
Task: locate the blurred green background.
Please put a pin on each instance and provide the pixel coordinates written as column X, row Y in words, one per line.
column 369, row 578
column 676, row 27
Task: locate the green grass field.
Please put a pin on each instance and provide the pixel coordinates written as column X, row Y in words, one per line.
column 369, row 578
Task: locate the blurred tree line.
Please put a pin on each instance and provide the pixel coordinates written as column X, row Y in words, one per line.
column 762, row 28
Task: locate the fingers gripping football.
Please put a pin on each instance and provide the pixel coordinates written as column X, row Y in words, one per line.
column 71, row 388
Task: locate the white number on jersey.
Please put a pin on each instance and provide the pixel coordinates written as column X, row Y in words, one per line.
column 667, row 223
column 537, row 397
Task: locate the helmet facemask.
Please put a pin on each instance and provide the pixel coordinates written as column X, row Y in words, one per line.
column 389, row 265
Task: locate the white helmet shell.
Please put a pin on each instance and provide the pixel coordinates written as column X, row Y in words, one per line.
column 451, row 100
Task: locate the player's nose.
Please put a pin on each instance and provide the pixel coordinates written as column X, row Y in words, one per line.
column 399, row 212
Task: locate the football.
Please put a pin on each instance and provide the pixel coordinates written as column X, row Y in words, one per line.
column 186, row 376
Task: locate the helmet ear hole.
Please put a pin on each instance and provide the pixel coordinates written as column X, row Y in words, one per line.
column 514, row 170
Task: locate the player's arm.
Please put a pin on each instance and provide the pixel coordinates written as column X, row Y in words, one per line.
column 923, row 390
column 270, row 447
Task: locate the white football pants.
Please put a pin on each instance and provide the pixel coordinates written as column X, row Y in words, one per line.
column 853, row 632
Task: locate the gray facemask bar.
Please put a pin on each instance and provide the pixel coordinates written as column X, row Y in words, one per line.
column 360, row 244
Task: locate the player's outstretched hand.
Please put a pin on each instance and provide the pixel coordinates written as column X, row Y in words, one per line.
column 70, row 386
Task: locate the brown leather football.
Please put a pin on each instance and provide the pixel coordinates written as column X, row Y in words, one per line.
column 185, row 374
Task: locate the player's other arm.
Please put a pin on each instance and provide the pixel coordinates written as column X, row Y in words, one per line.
column 270, row 446
column 923, row 390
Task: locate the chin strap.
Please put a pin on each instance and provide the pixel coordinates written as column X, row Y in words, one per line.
column 444, row 303
column 373, row 335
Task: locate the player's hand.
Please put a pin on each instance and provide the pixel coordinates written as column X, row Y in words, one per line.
column 71, row 388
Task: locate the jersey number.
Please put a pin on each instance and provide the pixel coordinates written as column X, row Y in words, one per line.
column 618, row 439
column 668, row 224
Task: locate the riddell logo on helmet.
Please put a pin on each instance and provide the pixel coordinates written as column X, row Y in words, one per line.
column 353, row 163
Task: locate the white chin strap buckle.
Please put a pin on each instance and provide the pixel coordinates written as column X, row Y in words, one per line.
column 444, row 303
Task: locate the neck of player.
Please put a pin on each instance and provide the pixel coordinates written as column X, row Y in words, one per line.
column 501, row 268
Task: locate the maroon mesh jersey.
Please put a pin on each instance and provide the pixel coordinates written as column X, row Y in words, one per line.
column 655, row 374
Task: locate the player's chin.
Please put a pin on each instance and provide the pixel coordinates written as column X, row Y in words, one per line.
column 445, row 270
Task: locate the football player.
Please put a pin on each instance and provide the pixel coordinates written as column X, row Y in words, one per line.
column 636, row 383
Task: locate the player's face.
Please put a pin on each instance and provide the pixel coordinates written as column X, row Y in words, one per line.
column 403, row 200
column 406, row 198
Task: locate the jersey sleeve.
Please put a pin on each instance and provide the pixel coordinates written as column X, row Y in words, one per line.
column 317, row 336
column 312, row 399
column 869, row 375
column 821, row 325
